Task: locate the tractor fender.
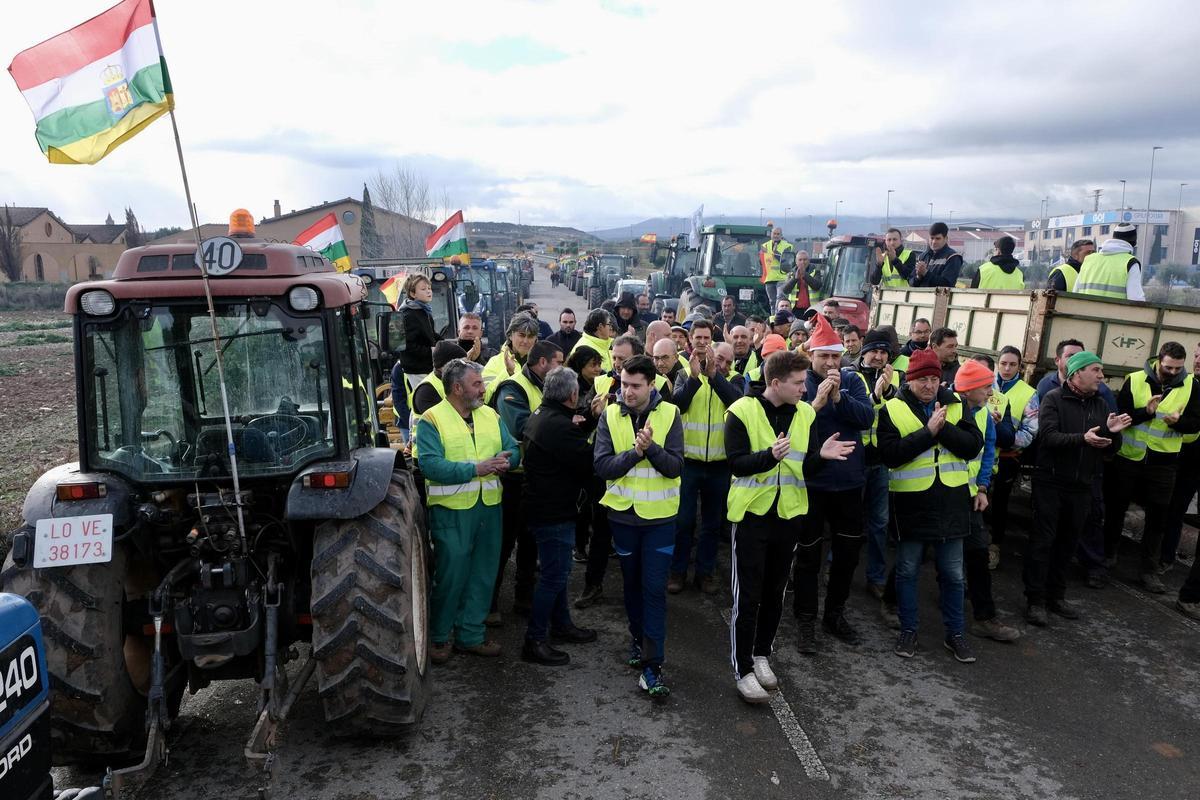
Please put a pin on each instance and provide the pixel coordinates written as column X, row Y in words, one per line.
column 370, row 475
column 41, row 502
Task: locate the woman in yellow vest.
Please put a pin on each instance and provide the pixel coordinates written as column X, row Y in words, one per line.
column 926, row 443
column 639, row 454
column 1014, row 409
column 598, row 331
column 465, row 448
column 521, row 335
column 772, row 448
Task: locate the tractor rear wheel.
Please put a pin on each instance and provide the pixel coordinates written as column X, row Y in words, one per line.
column 594, row 298
column 370, row 613
column 96, row 713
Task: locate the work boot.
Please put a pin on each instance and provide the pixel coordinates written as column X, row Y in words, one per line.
column 1063, row 608
column 1152, row 583
column 1188, row 609
column 675, row 582
column 993, row 556
column 806, row 634
column 764, row 673
column 542, row 653
column 1036, row 615
column 487, row 648
column 751, row 690
column 995, row 630
column 572, row 635
column 837, row 627
column 889, row 615
column 439, row 652
column 708, row 584
column 590, row 597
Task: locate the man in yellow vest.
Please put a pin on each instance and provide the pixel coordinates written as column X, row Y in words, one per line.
column 1113, row 271
column 1164, row 402
column 776, row 256
column 926, row 441
column 515, row 398
column 465, row 448
column 893, row 262
column 639, row 454
column 598, row 331
column 522, row 333
column 745, row 358
column 1002, row 271
column 773, row 449
column 702, row 394
column 1062, row 278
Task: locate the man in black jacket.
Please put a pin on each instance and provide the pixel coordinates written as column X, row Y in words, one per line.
column 1076, row 431
column 940, row 264
column 566, row 337
column 558, row 465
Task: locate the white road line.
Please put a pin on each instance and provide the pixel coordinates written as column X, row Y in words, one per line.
column 1166, row 609
column 794, row 731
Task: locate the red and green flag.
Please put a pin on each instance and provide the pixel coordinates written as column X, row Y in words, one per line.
column 448, row 240
column 96, row 85
column 325, row 236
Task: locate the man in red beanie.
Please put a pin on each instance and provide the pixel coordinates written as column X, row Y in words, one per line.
column 974, row 383
column 926, row 441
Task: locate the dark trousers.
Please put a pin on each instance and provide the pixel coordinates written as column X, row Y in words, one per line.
column 550, row 608
column 600, row 544
column 1090, row 551
column 1003, row 482
column 707, row 482
column 1141, row 483
column 1187, row 483
column 979, row 577
column 762, row 557
column 1190, row 593
column 645, row 553
column 843, row 512
column 1059, row 516
column 516, row 536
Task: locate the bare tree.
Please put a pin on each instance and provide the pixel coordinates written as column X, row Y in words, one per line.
column 133, row 231
column 404, row 191
column 10, row 246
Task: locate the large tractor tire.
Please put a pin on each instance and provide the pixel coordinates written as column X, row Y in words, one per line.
column 370, row 613
column 97, row 716
column 595, row 298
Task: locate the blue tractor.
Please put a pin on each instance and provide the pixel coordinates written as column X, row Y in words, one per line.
column 24, row 704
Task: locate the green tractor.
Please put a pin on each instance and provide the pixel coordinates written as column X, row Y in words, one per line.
column 680, row 264
column 727, row 265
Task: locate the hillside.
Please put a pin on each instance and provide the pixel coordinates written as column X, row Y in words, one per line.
column 795, row 225
column 504, row 235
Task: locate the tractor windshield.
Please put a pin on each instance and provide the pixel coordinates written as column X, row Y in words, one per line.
column 152, row 401
column 849, row 265
column 731, row 255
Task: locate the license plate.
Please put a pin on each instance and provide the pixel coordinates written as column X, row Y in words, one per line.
column 67, row 541
column 745, row 294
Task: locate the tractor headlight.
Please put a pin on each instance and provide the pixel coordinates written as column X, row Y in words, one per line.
column 97, row 303
column 303, row 298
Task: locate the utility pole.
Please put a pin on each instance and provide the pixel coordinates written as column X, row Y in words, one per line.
column 887, row 222
column 950, row 220
column 1177, row 228
column 930, row 213
column 1150, row 193
column 760, row 215
column 1096, row 199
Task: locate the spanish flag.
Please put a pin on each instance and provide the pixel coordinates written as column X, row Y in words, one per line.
column 391, row 289
column 96, row 85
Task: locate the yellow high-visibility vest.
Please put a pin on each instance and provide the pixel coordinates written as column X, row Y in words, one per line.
column 1104, row 275
column 757, row 493
column 890, row 277
column 651, row 494
column 1070, row 275
column 704, row 425
column 434, row 380
column 601, row 346
column 936, row 462
column 772, row 256
column 461, row 445
column 992, row 276
column 1155, row 434
column 976, row 463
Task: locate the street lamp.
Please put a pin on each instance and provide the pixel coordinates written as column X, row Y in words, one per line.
column 1122, row 193
column 930, row 213
column 1149, row 194
column 1178, row 231
column 950, row 219
column 888, row 214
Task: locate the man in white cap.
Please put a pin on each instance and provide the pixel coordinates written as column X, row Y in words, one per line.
column 1114, row 271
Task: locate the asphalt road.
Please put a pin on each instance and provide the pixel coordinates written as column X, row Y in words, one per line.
column 1106, row 707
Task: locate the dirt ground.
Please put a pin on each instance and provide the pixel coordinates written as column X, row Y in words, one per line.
column 37, row 403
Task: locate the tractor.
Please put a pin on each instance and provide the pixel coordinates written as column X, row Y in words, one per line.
column 602, row 280
column 24, row 704
column 680, row 264
column 843, row 274
column 225, row 516
column 728, row 265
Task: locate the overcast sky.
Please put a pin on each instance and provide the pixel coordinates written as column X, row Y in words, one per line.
column 596, row 113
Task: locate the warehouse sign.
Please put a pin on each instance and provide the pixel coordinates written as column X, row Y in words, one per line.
column 1101, row 218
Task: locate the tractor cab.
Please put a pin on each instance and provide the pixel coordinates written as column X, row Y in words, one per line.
column 728, row 264
column 483, row 287
column 845, row 276
column 680, row 264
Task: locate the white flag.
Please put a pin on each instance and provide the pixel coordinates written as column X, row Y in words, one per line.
column 697, row 224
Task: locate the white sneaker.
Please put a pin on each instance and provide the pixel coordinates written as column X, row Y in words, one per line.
column 751, row 690
column 764, row 673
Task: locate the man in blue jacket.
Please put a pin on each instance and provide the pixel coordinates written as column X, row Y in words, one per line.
column 835, row 495
column 940, row 264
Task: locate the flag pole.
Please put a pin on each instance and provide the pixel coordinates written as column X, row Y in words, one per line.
column 212, row 312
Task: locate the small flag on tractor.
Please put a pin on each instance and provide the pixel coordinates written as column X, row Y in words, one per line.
column 448, row 240
column 391, row 290
column 649, row 238
column 96, row 85
column 325, row 236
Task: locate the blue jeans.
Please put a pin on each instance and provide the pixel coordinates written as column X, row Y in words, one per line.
column 555, row 543
column 645, row 553
column 709, row 481
column 949, row 556
column 875, row 515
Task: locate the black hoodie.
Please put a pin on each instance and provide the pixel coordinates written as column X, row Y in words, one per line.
column 1006, row 263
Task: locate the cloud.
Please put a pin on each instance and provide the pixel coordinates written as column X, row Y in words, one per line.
column 505, row 53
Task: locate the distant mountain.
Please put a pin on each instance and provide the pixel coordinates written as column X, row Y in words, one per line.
column 501, row 235
column 794, row 226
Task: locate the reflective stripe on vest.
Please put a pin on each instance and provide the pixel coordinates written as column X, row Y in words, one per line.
column 651, row 494
column 871, row 435
column 704, row 425
column 918, row 475
column 461, row 446
column 434, row 380
column 785, row 481
column 1070, row 275
column 991, row 276
column 890, row 277
column 1104, row 275
column 1154, row 434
